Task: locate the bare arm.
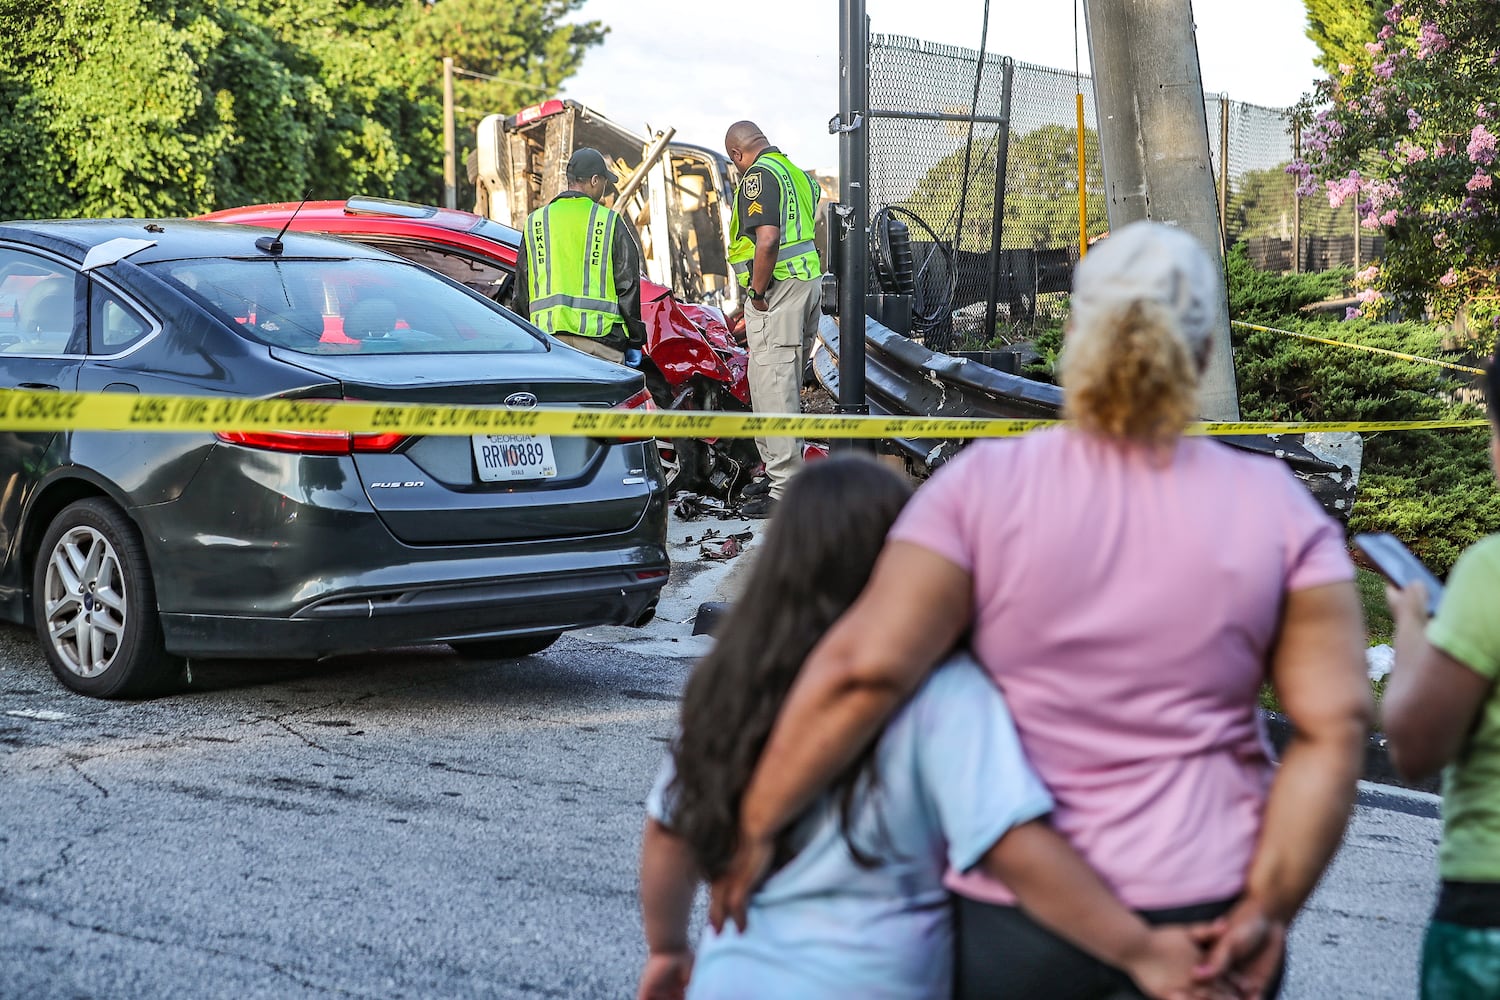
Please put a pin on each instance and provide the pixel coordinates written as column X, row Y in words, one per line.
column 912, row 612
column 1065, row 895
column 668, row 880
column 1318, row 671
column 1432, row 699
column 767, row 246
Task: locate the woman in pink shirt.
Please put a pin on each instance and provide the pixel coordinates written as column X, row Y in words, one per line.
column 1129, row 589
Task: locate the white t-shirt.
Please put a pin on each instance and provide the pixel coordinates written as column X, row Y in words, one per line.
column 952, row 780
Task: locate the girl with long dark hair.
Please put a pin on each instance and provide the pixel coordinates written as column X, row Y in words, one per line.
column 856, row 906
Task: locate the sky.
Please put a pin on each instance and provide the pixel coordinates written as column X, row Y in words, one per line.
column 663, row 66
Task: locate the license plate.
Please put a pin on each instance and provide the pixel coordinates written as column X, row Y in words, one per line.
column 507, row 457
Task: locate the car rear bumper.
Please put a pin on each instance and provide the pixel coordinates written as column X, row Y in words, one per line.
column 435, row 614
column 278, row 555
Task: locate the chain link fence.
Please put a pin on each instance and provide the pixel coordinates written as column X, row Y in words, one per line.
column 936, row 153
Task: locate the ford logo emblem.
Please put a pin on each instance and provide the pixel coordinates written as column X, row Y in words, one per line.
column 521, row 400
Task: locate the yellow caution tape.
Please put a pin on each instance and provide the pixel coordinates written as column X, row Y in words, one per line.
column 79, row 411
column 1360, row 347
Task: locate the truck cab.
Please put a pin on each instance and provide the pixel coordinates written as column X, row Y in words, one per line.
column 677, row 198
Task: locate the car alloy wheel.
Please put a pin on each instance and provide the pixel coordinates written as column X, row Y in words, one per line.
column 85, row 601
column 95, row 606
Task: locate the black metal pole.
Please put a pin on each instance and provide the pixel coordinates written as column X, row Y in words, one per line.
column 854, row 99
column 1002, row 165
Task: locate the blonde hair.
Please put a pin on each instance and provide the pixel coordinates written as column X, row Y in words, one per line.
column 1145, row 304
column 1131, row 376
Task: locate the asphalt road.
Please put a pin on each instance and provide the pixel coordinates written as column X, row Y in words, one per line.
column 414, row 825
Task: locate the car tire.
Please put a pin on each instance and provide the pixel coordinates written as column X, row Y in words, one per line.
column 512, row 648
column 94, row 605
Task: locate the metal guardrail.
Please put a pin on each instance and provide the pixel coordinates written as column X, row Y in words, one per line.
column 903, row 378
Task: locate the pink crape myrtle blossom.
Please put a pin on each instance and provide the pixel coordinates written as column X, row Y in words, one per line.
column 1481, row 145
column 1409, row 138
column 1380, row 192
column 1339, row 191
column 1430, row 40
column 1411, row 151
column 1368, row 275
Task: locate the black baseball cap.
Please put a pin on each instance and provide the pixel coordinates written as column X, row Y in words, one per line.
column 587, row 162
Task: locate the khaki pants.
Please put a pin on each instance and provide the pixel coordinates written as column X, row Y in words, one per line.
column 591, row 345
column 779, row 340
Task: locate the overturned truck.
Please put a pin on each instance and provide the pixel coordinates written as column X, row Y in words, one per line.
column 676, row 197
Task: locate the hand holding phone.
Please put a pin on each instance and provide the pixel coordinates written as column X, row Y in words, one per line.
column 1396, row 563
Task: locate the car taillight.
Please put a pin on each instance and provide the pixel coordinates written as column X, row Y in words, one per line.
column 640, row 401
column 313, row 442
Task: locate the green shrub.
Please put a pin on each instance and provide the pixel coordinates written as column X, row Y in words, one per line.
column 1432, row 489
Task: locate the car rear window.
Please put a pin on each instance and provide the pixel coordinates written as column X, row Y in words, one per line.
column 320, row 306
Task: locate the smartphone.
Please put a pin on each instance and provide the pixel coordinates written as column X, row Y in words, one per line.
column 1398, row 565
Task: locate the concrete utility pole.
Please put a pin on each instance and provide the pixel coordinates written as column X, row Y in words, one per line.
column 1153, row 132
column 450, row 143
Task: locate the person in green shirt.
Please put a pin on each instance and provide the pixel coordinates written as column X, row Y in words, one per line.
column 1441, row 711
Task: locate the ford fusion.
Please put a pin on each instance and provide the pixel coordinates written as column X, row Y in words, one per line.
column 130, row 551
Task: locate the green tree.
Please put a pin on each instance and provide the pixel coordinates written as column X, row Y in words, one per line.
column 1340, row 29
column 1041, row 191
column 1260, row 204
column 175, row 107
column 524, row 43
column 1432, row 489
column 1409, row 134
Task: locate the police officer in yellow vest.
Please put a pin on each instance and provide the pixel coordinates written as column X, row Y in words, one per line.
column 773, row 255
column 578, row 276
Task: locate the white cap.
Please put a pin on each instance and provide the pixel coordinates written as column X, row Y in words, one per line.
column 1151, row 261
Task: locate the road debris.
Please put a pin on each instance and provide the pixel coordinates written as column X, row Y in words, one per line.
column 692, row 506
column 725, row 549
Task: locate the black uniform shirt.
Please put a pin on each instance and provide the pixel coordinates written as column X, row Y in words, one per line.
column 760, row 197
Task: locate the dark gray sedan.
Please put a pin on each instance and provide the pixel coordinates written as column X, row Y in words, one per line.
column 131, row 551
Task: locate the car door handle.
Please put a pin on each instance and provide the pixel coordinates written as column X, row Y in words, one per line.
column 38, row 387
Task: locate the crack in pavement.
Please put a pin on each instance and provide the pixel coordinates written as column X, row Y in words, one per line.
column 40, row 878
column 73, row 761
